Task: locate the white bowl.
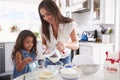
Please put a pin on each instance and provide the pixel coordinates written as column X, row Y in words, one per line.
column 69, row 74
column 89, row 68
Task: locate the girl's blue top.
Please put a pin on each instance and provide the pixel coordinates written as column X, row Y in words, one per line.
column 27, row 67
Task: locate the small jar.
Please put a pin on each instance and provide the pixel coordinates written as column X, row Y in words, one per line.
column 41, row 63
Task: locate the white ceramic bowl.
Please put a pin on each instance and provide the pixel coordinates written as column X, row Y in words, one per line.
column 69, row 74
column 89, row 68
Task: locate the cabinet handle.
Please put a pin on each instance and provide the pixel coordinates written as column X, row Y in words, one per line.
column 1, row 47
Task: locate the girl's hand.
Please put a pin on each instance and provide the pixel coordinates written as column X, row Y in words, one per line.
column 27, row 60
column 61, row 46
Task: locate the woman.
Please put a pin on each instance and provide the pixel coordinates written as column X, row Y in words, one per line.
column 57, row 31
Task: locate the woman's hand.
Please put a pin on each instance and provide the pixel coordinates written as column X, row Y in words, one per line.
column 61, row 46
column 46, row 50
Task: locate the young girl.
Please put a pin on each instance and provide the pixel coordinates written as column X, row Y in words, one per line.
column 24, row 52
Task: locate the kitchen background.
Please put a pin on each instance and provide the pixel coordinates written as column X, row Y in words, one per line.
column 16, row 15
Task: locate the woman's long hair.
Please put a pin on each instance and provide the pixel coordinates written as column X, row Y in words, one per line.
column 20, row 45
column 54, row 11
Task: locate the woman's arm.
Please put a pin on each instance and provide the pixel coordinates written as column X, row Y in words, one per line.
column 71, row 45
column 74, row 44
column 44, row 45
column 43, row 41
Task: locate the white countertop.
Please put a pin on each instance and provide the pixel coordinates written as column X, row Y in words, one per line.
column 13, row 41
column 34, row 76
column 95, row 44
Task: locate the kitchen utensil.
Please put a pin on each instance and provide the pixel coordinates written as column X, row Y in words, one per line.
column 41, row 63
column 82, row 59
column 84, row 36
column 33, row 65
column 89, row 68
column 55, row 67
column 54, row 55
column 24, row 78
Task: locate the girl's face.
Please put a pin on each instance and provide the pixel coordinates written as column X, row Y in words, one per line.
column 46, row 15
column 28, row 43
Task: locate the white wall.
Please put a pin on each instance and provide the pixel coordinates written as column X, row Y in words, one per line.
column 117, row 26
column 22, row 15
column 84, row 24
column 83, row 21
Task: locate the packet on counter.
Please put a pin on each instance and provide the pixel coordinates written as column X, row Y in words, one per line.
column 46, row 74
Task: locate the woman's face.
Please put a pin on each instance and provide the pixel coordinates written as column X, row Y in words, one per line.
column 46, row 15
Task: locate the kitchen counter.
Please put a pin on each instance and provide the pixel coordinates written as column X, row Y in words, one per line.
column 7, row 42
column 95, row 50
column 35, row 76
column 95, row 43
column 13, row 41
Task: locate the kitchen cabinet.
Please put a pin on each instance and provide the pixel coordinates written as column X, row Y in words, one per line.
column 69, row 7
column 2, row 57
column 96, row 50
column 61, row 4
column 117, row 26
column 79, row 7
column 102, row 11
column 85, row 50
column 8, row 60
column 73, row 9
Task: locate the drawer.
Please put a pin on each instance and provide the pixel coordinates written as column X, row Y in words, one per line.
column 85, row 50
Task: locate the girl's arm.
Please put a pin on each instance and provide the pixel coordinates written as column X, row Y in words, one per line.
column 20, row 64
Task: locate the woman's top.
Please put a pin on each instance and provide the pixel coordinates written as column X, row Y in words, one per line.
column 64, row 31
column 27, row 67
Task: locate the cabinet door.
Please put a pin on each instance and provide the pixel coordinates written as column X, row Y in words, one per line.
column 85, row 50
column 103, row 11
column 8, row 60
column 96, row 54
column 99, row 55
column 103, row 51
column 2, row 58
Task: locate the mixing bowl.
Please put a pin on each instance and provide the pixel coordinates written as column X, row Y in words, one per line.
column 89, row 68
column 69, row 73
